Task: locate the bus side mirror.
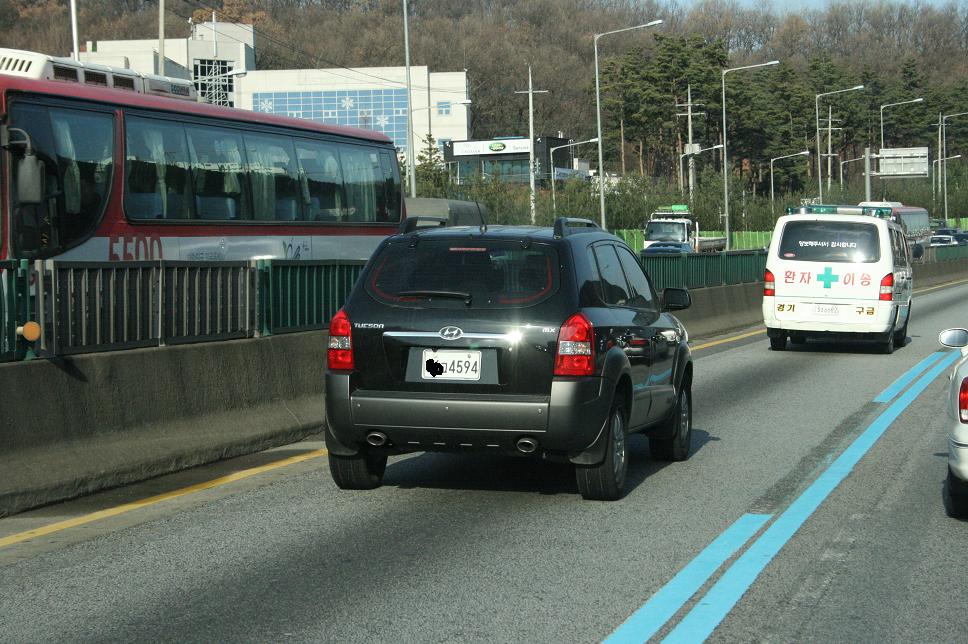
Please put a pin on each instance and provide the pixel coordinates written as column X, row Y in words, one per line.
column 917, row 251
column 30, row 180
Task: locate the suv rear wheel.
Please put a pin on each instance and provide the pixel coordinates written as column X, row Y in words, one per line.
column 606, row 481
column 361, row 472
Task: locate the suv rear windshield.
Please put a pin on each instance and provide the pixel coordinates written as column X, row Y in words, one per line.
column 463, row 272
column 830, row 241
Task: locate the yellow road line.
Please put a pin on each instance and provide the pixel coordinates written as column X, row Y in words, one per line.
column 935, row 288
column 714, row 343
column 152, row 500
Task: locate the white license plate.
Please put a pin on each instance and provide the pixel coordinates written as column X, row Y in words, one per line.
column 826, row 309
column 451, row 365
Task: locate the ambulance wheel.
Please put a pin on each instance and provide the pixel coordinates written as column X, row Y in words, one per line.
column 778, row 343
column 887, row 346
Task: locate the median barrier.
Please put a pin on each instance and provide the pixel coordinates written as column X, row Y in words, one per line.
column 70, row 426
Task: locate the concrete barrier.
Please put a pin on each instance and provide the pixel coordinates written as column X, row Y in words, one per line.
column 72, row 426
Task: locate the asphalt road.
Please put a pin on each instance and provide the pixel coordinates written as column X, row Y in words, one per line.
column 457, row 548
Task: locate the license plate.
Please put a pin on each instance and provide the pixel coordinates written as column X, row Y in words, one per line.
column 826, row 309
column 451, row 365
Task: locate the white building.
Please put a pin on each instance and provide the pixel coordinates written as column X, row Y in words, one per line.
column 207, row 57
column 373, row 98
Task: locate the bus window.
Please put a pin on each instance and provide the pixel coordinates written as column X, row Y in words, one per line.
column 321, row 181
column 76, row 148
column 388, row 207
column 276, row 193
column 363, row 178
column 158, row 185
column 218, row 163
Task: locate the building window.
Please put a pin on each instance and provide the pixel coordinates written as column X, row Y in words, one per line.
column 213, row 83
column 443, row 108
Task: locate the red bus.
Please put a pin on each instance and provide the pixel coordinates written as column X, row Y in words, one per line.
column 94, row 172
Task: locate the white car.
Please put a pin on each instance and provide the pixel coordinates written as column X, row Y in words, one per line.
column 943, row 240
column 957, row 424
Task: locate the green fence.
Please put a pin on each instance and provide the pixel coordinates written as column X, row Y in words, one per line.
column 14, row 307
column 299, row 296
column 698, row 270
column 949, row 253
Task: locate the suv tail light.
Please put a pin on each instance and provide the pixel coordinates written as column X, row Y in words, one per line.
column 576, row 347
column 887, row 287
column 963, row 401
column 340, row 351
column 769, row 283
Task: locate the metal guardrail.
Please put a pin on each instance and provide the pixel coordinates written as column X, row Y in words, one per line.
column 14, row 306
column 303, row 295
column 203, row 303
column 698, row 270
column 950, row 253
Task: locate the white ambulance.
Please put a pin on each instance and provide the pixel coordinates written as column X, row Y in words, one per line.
column 838, row 272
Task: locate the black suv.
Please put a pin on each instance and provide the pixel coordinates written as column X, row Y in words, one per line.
column 507, row 339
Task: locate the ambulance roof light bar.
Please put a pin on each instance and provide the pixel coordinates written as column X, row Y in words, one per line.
column 828, row 209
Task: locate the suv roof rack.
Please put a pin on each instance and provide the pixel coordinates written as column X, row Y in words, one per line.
column 564, row 225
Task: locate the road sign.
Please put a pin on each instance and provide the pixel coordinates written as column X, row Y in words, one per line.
column 903, row 162
column 692, row 148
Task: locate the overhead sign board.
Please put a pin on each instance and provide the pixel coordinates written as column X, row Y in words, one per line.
column 495, row 146
column 903, row 162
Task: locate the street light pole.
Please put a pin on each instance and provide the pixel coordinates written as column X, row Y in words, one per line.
column 785, row 156
column 725, row 163
column 913, row 100
column 598, row 115
column 551, row 157
column 410, row 157
column 937, row 162
column 944, row 154
column 842, row 164
column 817, row 112
column 531, row 92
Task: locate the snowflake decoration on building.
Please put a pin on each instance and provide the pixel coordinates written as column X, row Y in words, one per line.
column 347, row 103
column 382, row 121
column 266, row 105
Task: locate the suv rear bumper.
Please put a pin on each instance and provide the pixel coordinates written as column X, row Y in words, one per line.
column 567, row 421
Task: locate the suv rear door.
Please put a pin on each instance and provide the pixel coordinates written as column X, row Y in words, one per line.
column 482, row 312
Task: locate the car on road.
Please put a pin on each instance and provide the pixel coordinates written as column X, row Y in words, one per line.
column 957, row 484
column 534, row 342
column 837, row 276
column 961, row 238
column 943, row 240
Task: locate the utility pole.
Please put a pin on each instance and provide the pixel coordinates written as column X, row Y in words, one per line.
column 830, row 155
column 531, row 92
column 691, row 148
column 867, row 174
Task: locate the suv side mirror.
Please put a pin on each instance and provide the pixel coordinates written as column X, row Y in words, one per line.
column 954, row 338
column 30, row 180
column 676, row 299
column 917, row 251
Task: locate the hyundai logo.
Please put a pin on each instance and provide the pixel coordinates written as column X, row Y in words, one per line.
column 451, row 333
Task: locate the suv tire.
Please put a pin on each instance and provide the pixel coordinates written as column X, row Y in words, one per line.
column 679, row 428
column 606, row 481
column 361, row 472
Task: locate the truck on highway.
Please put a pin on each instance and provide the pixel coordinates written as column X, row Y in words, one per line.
column 671, row 229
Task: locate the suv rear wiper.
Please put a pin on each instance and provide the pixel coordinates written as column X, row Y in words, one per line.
column 457, row 295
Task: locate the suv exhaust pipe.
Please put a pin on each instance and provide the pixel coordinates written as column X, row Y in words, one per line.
column 527, row 445
column 376, row 439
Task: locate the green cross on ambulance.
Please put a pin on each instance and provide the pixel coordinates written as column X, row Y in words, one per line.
column 838, row 272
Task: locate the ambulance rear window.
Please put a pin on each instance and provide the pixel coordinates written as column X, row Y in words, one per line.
column 830, row 241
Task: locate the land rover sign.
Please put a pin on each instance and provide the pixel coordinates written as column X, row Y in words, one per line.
column 503, row 146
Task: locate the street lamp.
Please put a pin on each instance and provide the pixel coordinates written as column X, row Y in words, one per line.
column 410, row 160
column 934, row 187
column 551, row 156
column 725, row 171
column 913, row 100
column 598, row 114
column 842, row 164
column 682, row 172
column 944, row 154
column 785, row 156
column 817, row 109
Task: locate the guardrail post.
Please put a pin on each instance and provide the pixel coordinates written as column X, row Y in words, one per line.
column 26, row 306
column 264, row 293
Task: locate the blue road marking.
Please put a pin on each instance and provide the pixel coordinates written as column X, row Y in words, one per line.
column 706, row 615
column 888, row 394
column 665, row 603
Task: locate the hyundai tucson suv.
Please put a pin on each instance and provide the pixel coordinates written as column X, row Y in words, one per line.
column 534, row 342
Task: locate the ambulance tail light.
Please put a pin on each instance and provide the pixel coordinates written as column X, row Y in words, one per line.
column 887, row 287
column 769, row 284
